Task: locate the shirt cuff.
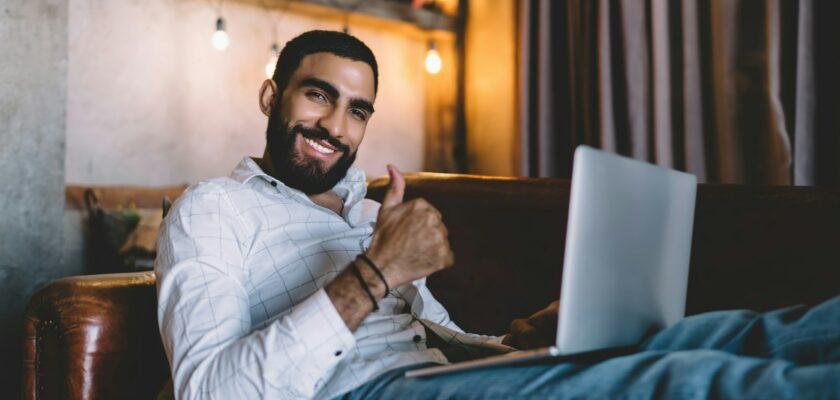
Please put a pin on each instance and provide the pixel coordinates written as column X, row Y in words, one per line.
column 497, row 340
column 321, row 328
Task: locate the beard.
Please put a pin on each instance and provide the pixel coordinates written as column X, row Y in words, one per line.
column 296, row 170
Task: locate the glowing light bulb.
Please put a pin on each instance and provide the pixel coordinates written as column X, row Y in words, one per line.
column 433, row 61
column 272, row 61
column 220, row 39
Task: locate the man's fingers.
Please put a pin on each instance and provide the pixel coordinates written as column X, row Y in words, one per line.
column 396, row 188
column 546, row 319
column 524, row 336
column 549, row 311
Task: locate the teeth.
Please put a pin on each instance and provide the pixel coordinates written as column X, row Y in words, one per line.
column 318, row 147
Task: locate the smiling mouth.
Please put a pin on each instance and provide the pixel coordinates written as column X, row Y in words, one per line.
column 320, row 147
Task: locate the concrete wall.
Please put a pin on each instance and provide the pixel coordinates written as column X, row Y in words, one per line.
column 150, row 102
column 139, row 97
column 33, row 68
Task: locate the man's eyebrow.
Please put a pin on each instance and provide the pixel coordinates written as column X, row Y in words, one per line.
column 321, row 84
column 362, row 104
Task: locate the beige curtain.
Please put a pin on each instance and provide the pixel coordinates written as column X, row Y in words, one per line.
column 734, row 91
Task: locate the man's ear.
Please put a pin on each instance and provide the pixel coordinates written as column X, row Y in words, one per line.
column 268, row 95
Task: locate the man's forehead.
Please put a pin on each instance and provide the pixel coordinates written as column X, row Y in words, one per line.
column 352, row 78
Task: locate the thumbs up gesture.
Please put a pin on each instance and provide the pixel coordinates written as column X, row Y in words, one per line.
column 410, row 240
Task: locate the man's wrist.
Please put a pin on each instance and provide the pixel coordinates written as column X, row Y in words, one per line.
column 367, row 262
column 350, row 298
column 384, row 267
column 373, row 281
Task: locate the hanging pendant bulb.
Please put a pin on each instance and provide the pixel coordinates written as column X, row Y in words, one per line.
column 346, row 25
column 433, row 61
column 220, row 39
column 272, row 61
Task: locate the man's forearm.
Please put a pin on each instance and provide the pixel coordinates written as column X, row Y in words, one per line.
column 350, row 299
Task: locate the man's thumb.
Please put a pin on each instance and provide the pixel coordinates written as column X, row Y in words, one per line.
column 396, row 188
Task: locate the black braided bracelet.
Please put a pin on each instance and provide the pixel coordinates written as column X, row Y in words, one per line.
column 364, row 286
column 377, row 270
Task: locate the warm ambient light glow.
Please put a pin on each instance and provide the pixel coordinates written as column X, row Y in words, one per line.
column 433, row 61
column 220, row 39
column 272, row 61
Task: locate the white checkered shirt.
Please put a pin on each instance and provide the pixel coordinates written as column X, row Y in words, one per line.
column 241, row 266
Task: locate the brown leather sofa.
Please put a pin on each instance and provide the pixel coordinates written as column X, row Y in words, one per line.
column 754, row 247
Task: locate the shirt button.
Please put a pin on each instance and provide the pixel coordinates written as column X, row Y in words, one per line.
column 417, row 338
column 338, row 353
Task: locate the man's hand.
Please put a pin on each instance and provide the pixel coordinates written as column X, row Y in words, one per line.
column 538, row 330
column 410, row 240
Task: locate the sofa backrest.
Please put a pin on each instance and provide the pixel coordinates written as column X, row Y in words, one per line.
column 754, row 247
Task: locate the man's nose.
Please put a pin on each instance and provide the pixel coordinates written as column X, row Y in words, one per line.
column 333, row 122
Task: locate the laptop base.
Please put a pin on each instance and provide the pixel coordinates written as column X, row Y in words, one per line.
column 536, row 356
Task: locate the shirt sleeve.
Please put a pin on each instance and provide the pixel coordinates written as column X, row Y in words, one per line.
column 204, row 317
column 425, row 306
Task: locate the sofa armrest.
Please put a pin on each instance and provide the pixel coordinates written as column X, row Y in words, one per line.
column 93, row 336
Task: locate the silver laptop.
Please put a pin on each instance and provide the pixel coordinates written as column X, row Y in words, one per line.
column 625, row 272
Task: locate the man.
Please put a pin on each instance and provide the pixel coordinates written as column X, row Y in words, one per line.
column 282, row 281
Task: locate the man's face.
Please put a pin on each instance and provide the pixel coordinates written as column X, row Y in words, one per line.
column 316, row 128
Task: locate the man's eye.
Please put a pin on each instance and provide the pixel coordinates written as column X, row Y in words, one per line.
column 359, row 114
column 317, row 96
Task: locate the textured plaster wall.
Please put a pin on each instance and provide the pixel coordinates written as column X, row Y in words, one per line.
column 150, row 102
column 33, row 65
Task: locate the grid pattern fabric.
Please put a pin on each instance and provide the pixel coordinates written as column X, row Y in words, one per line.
column 242, row 262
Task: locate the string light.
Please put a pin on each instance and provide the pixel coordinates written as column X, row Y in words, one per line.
column 274, row 54
column 220, row 38
column 348, row 8
column 272, row 61
column 433, row 61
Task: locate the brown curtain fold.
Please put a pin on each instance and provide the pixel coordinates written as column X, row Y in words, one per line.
column 734, row 91
column 804, row 165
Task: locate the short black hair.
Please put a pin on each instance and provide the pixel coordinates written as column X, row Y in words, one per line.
column 319, row 41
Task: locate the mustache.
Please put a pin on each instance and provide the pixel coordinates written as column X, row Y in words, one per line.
column 319, row 134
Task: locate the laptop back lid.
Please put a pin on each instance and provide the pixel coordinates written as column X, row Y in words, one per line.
column 628, row 244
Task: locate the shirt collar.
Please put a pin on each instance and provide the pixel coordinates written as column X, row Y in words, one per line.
column 351, row 188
